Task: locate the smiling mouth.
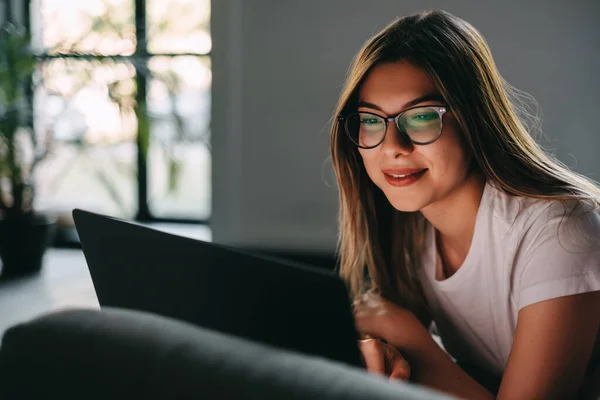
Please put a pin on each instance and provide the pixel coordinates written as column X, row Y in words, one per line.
column 401, row 180
column 403, row 173
column 402, row 176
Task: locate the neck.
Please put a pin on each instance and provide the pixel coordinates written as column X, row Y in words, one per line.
column 454, row 216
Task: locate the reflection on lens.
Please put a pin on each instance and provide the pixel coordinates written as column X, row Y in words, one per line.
column 365, row 129
column 422, row 125
column 372, row 129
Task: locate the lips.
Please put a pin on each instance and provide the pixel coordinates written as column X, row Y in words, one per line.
column 402, row 172
column 404, row 176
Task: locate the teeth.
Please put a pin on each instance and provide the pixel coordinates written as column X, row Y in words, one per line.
column 403, row 175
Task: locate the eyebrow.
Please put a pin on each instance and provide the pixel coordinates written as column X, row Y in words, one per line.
column 414, row 102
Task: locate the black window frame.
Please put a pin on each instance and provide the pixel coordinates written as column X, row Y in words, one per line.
column 143, row 213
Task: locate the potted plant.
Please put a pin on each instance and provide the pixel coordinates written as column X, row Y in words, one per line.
column 24, row 233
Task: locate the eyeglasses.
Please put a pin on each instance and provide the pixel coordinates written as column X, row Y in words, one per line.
column 418, row 125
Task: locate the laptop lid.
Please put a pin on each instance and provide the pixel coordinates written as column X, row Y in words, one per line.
column 281, row 303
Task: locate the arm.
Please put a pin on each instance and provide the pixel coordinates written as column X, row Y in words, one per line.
column 430, row 365
column 552, row 347
column 557, row 290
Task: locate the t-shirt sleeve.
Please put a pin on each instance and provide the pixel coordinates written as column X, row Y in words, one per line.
column 561, row 256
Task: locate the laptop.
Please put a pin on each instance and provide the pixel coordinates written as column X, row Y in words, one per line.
column 274, row 301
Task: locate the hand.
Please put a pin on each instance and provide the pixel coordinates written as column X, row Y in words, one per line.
column 383, row 359
column 379, row 318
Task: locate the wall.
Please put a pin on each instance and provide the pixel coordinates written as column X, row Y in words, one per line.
column 278, row 67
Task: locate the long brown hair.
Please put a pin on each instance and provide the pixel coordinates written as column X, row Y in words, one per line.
column 379, row 246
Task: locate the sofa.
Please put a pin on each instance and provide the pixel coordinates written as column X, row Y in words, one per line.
column 125, row 354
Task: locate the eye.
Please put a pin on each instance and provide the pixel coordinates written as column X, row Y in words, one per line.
column 369, row 120
column 424, row 117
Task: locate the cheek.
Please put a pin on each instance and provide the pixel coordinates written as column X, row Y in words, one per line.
column 449, row 158
column 439, row 158
column 444, row 167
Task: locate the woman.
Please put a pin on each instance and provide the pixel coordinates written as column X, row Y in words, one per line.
column 451, row 213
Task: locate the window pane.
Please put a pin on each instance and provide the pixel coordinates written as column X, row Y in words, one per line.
column 86, row 107
column 179, row 155
column 178, row 26
column 103, row 27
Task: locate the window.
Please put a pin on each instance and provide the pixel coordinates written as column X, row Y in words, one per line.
column 124, row 93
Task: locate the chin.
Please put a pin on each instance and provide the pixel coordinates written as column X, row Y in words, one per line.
column 409, row 199
column 407, row 206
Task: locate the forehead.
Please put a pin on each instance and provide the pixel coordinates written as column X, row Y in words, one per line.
column 390, row 85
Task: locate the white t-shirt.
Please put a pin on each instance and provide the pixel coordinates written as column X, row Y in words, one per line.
column 518, row 256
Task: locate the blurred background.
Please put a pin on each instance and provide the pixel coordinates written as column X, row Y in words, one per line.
column 211, row 119
column 97, row 54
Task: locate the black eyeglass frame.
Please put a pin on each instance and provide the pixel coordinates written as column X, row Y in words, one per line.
column 441, row 110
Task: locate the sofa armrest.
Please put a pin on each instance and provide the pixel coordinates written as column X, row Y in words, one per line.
column 130, row 354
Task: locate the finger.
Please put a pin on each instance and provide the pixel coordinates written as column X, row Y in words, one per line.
column 400, row 369
column 373, row 355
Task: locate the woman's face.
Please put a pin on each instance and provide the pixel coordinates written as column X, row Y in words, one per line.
column 438, row 168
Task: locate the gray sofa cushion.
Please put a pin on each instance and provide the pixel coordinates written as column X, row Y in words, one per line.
column 129, row 354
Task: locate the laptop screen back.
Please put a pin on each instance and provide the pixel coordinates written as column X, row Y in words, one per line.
column 271, row 301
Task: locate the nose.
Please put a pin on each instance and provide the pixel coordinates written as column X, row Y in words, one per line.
column 394, row 144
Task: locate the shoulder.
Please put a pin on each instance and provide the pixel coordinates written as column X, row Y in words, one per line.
column 558, row 251
column 571, row 225
column 551, row 248
column 574, row 225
